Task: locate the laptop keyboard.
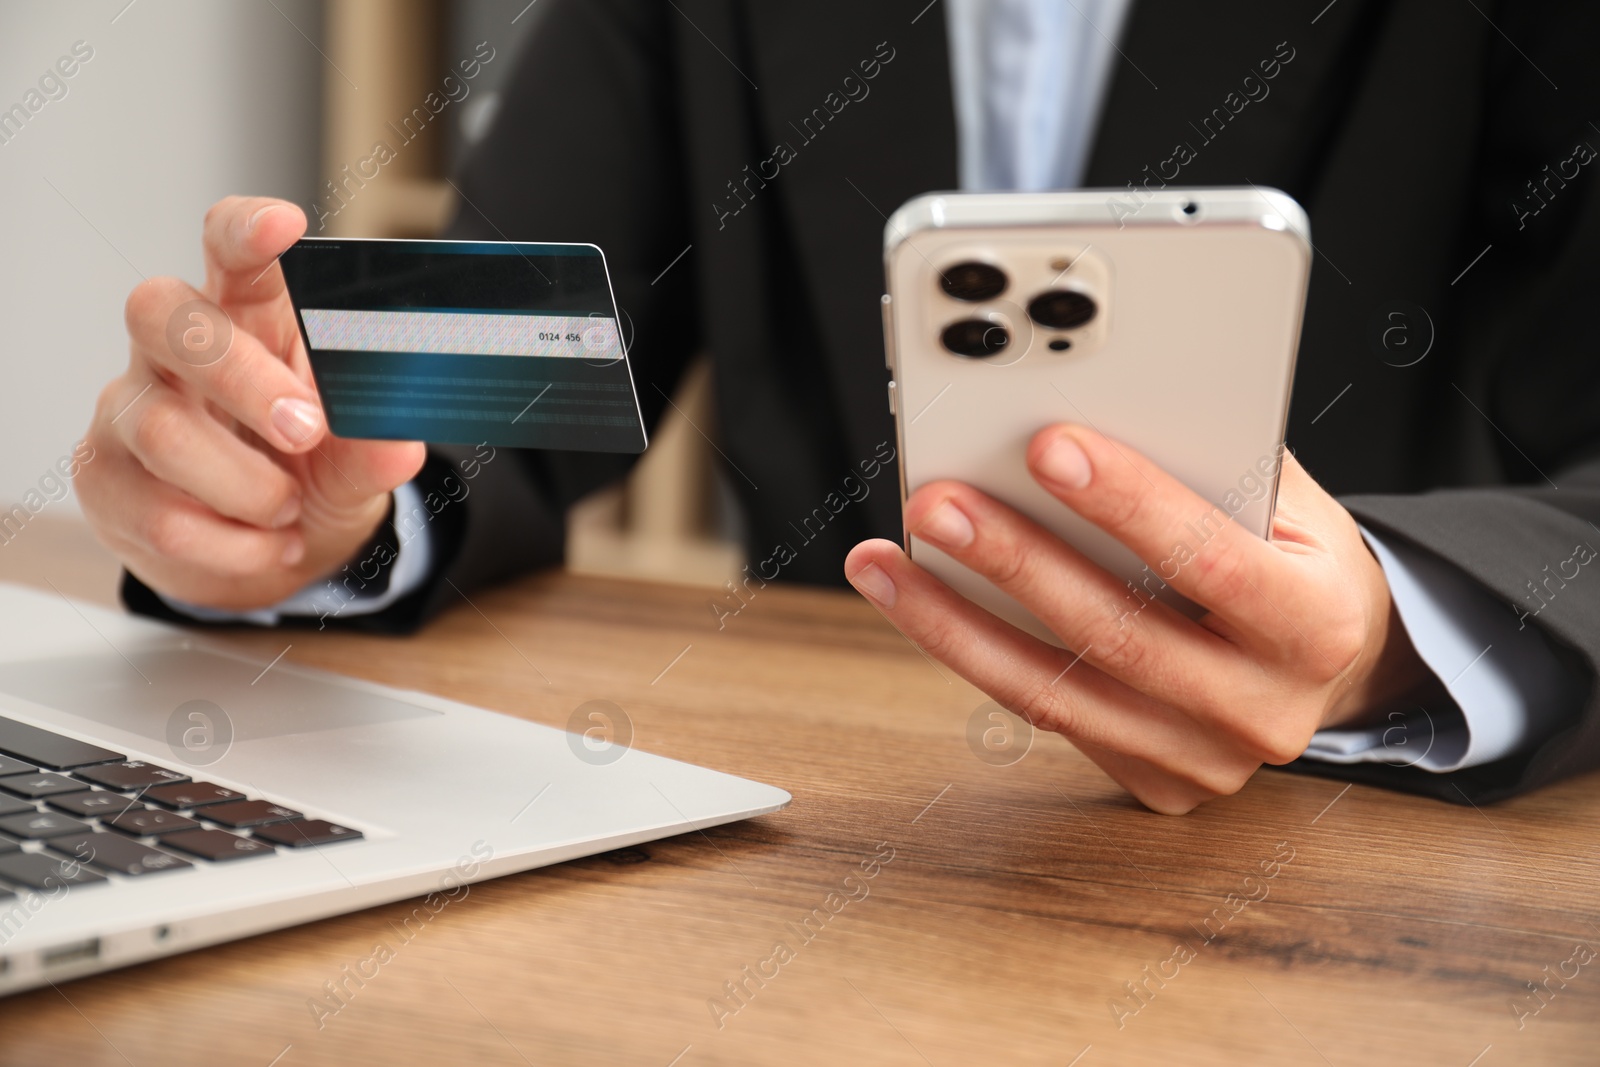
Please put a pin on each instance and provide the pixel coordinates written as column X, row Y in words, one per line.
column 76, row 814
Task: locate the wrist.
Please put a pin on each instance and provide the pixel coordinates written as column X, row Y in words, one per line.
column 1389, row 673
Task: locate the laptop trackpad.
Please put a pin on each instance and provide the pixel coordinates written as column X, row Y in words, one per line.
column 144, row 692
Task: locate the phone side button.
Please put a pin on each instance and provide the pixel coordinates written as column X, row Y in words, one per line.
column 892, row 391
column 888, row 332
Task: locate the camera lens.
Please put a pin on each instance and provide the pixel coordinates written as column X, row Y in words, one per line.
column 1061, row 309
column 975, row 338
column 973, row 281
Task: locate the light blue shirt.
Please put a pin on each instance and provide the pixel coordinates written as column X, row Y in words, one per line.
column 1030, row 79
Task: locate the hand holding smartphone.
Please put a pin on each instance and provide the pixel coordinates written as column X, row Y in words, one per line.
column 1173, row 330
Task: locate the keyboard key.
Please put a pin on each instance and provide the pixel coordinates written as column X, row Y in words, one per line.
column 39, row 784
column 130, row 775
column 216, row 845
column 95, row 804
column 189, row 795
column 39, row 825
column 15, row 766
column 146, row 821
column 46, row 749
column 12, row 806
column 304, row 832
column 243, row 813
column 117, row 854
column 36, row 870
column 8, row 845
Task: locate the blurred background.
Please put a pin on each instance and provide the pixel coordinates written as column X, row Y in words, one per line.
column 182, row 102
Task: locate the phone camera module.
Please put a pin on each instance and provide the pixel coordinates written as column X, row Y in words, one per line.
column 1061, row 309
column 975, row 338
column 973, row 281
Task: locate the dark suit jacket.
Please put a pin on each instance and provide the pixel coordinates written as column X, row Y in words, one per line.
column 1410, row 130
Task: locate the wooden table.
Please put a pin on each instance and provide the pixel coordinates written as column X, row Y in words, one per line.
column 1019, row 904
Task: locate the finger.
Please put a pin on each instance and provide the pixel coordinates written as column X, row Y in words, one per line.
column 1037, row 681
column 1142, row 643
column 1190, row 544
column 243, row 238
column 159, row 529
column 174, row 439
column 1163, row 793
column 188, row 338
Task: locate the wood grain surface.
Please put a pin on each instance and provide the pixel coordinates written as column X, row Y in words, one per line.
column 917, row 904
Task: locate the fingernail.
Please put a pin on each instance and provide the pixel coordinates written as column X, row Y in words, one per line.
column 294, row 551
column 255, row 219
column 296, row 420
column 1065, row 463
column 288, row 513
column 947, row 526
column 871, row 581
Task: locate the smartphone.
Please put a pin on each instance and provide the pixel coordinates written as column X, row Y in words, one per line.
column 1167, row 321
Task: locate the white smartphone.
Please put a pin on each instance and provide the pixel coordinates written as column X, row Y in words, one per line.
column 1168, row 321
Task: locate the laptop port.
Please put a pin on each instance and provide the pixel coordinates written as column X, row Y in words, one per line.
column 76, row 952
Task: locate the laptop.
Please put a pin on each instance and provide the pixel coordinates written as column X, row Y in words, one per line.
column 159, row 793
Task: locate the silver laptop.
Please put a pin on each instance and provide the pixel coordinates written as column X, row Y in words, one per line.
column 158, row 794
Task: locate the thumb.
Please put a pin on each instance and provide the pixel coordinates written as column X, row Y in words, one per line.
column 1305, row 511
column 345, row 480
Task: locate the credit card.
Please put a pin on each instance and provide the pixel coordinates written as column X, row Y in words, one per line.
column 466, row 342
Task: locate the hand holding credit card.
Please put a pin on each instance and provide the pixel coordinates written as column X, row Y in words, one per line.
column 465, row 342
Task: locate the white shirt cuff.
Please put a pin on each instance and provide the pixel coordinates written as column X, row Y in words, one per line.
column 341, row 593
column 1509, row 689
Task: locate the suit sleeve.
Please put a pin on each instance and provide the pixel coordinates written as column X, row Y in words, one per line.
column 1535, row 550
column 585, row 147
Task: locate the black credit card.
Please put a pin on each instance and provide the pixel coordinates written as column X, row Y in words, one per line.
column 466, row 342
